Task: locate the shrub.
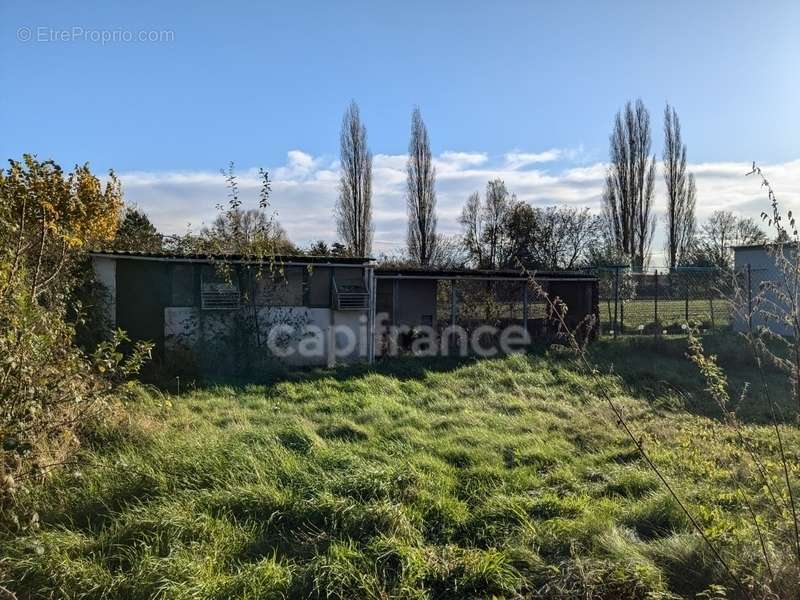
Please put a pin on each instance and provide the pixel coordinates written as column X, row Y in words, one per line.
column 49, row 388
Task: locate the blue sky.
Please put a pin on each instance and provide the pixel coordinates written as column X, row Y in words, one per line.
column 251, row 82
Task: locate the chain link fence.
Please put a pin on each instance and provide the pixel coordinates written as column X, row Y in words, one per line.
column 500, row 303
column 661, row 302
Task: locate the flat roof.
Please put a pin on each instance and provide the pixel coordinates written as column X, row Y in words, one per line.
column 385, row 272
column 761, row 246
column 238, row 258
column 517, row 274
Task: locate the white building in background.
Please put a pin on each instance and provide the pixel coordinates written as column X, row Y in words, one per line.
column 759, row 264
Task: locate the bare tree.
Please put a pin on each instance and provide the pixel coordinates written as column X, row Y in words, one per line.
column 498, row 203
column 449, row 252
column 472, row 221
column 550, row 238
column 680, row 192
column 630, row 185
column 720, row 233
column 503, row 232
column 250, row 231
column 581, row 232
column 420, row 194
column 354, row 206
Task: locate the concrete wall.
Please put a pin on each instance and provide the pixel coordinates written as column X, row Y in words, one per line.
column 763, row 268
column 350, row 325
column 300, row 336
column 143, row 290
column 160, row 301
column 105, row 273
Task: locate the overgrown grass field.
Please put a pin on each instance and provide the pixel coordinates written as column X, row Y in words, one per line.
column 503, row 477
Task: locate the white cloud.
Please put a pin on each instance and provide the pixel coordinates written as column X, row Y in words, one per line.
column 394, row 162
column 300, row 166
column 456, row 161
column 517, row 160
column 305, row 188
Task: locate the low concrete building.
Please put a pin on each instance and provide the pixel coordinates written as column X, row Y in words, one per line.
column 202, row 307
column 757, row 271
column 413, row 297
column 212, row 311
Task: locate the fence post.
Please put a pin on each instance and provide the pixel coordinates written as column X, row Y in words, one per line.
column 621, row 309
column 371, row 316
column 749, row 299
column 655, row 308
column 616, row 299
column 711, row 303
column 395, row 297
column 686, row 300
column 453, row 303
column 525, row 306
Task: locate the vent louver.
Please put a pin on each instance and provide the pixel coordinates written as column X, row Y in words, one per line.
column 350, row 296
column 219, row 297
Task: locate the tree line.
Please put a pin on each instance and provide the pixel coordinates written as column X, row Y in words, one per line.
column 498, row 230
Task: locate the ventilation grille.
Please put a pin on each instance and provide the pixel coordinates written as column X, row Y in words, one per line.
column 218, row 297
column 350, row 296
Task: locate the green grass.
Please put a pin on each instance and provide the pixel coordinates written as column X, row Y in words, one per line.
column 638, row 316
column 503, row 478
